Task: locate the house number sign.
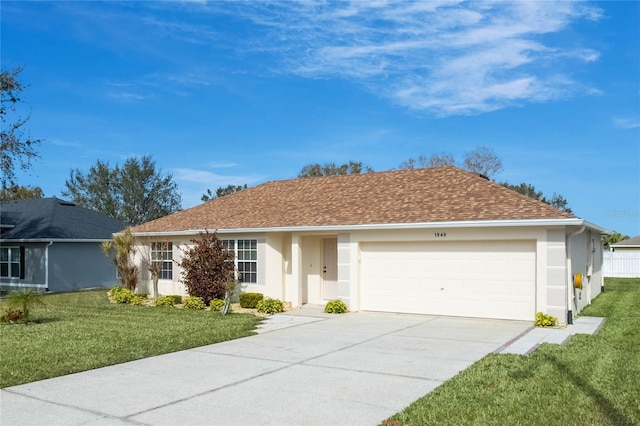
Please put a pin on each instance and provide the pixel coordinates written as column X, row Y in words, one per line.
column 439, row 234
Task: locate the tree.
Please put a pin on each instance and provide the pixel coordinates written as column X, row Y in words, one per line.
column 614, row 237
column 121, row 250
column 222, row 191
column 557, row 200
column 483, row 160
column 16, row 148
column 436, row 160
column 207, row 268
column 134, row 193
column 16, row 192
column 331, row 169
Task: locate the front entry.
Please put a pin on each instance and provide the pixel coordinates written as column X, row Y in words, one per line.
column 330, row 268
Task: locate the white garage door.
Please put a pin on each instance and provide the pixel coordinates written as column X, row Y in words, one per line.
column 493, row 279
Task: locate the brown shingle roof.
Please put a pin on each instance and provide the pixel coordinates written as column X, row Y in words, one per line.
column 439, row 194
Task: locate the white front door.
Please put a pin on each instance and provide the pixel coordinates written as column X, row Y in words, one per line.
column 330, row 268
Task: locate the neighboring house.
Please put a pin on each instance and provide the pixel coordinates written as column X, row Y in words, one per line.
column 49, row 244
column 623, row 259
column 438, row 241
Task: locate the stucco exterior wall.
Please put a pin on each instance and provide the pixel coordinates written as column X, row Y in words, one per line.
column 290, row 263
column 73, row 266
column 585, row 254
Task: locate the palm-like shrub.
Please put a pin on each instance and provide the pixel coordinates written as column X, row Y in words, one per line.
column 24, row 301
column 121, row 249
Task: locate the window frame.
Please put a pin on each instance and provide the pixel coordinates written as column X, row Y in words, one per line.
column 244, row 257
column 162, row 252
column 12, row 263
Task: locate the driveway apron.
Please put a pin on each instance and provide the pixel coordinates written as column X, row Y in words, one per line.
column 352, row 369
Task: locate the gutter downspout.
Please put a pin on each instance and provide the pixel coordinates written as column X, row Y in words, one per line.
column 46, row 265
column 570, row 292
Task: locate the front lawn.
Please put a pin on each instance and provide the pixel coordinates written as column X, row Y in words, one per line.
column 592, row 380
column 80, row 331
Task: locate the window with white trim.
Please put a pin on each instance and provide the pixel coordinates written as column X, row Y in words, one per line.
column 246, row 258
column 162, row 254
column 10, row 262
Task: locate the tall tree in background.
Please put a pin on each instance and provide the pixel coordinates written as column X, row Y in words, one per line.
column 436, row 160
column 331, row 169
column 222, row 191
column 483, row 160
column 135, row 193
column 18, row 192
column 557, row 200
column 16, row 148
column 614, row 237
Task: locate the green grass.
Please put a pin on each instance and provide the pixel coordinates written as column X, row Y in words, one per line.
column 80, row 331
column 592, row 380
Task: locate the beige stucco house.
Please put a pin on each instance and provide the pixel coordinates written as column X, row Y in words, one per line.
column 438, row 241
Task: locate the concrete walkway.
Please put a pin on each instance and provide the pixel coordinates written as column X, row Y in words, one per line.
column 303, row 368
column 533, row 338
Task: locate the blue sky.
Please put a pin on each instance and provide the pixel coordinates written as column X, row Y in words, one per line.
column 240, row 93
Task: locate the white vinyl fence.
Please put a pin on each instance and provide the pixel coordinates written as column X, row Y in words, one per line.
column 621, row 264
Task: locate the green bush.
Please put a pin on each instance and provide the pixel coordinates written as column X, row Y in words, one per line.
column 216, row 304
column 193, row 302
column 336, row 306
column 545, row 320
column 121, row 295
column 250, row 300
column 169, row 301
column 137, row 299
column 270, row 306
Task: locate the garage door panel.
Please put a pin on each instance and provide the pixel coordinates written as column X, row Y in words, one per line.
column 481, row 279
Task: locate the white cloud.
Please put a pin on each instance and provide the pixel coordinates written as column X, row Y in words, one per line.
column 626, row 123
column 439, row 57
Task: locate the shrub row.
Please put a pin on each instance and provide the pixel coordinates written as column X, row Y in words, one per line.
column 247, row 300
column 250, row 300
column 270, row 306
column 169, row 301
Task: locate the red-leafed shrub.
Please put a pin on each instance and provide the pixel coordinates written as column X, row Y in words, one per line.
column 206, row 267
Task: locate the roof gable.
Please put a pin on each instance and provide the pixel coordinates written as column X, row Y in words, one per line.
column 52, row 218
column 439, row 194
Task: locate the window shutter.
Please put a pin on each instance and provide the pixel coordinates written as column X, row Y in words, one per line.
column 22, row 262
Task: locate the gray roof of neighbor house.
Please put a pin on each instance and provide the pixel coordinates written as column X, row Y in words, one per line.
column 54, row 219
column 438, row 194
column 629, row 242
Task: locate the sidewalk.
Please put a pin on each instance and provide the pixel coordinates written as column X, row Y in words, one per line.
column 533, row 338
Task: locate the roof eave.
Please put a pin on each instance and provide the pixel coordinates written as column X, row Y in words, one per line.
column 389, row 226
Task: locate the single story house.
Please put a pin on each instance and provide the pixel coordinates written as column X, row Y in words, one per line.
column 437, row 241
column 623, row 259
column 48, row 244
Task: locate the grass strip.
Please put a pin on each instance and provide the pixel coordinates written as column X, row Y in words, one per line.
column 80, row 331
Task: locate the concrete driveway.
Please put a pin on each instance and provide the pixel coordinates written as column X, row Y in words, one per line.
column 304, row 368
